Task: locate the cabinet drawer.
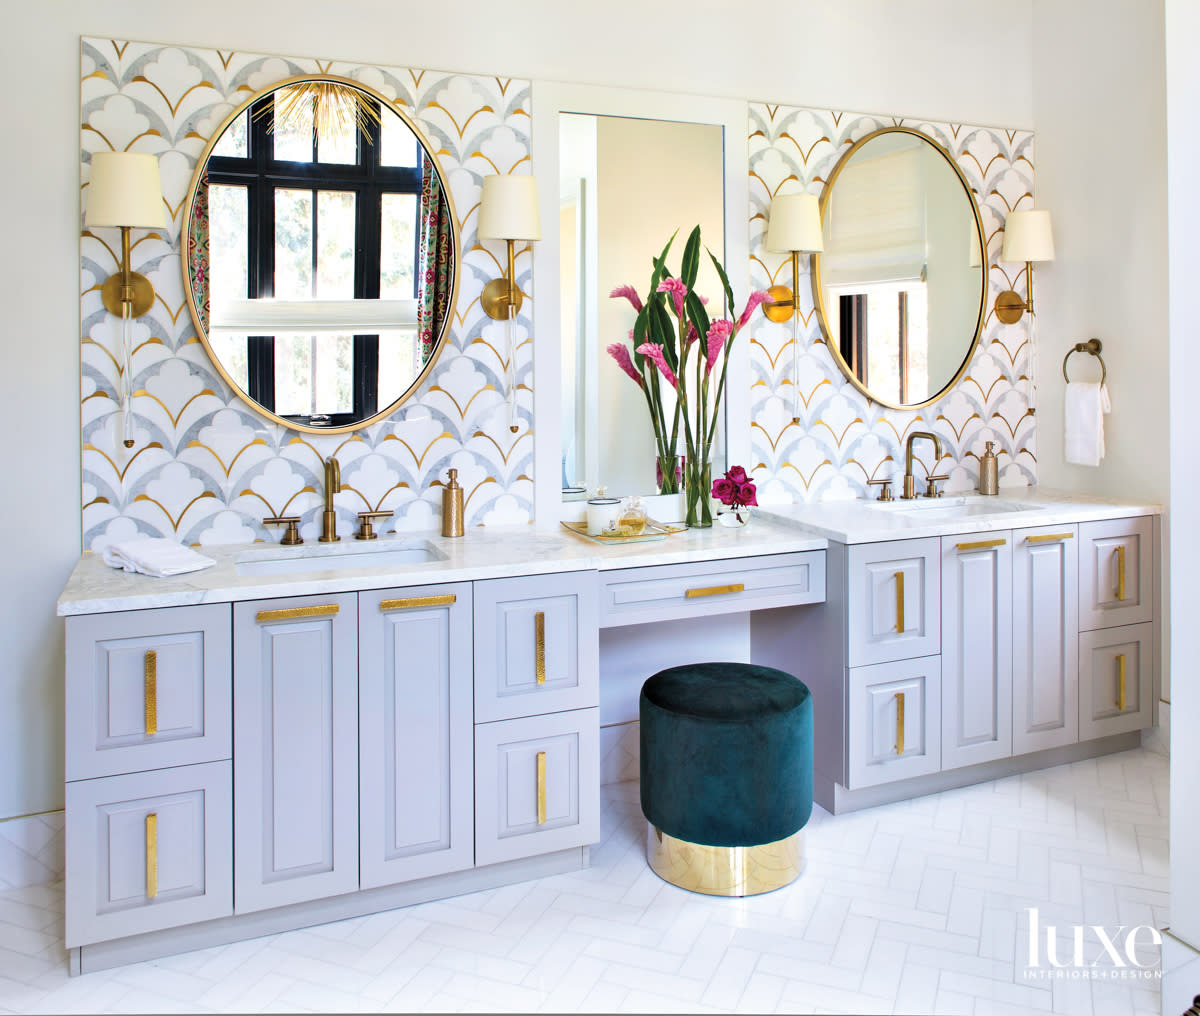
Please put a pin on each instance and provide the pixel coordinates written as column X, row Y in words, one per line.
column 1116, row 572
column 1116, row 680
column 536, row 645
column 537, row 785
column 641, row 595
column 893, row 593
column 886, row 700
column 147, row 689
column 148, row 851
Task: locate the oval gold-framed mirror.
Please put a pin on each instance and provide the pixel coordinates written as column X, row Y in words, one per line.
column 322, row 254
column 901, row 287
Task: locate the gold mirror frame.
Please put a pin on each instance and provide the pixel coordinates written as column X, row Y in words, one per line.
column 194, row 311
column 819, row 296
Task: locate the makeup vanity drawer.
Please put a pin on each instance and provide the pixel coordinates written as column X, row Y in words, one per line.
column 1116, row 680
column 893, row 594
column 665, row 593
column 148, row 851
column 1116, row 572
column 147, row 689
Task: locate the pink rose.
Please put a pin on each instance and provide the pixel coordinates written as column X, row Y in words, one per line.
column 723, row 490
column 737, row 475
column 747, row 494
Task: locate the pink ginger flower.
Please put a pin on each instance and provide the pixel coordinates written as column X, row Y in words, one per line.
column 678, row 291
column 718, row 333
column 654, row 353
column 620, row 352
column 761, row 296
column 692, row 334
column 630, row 294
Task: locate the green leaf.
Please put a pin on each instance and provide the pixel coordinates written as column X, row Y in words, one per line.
column 660, row 265
column 691, row 259
column 639, row 333
column 698, row 314
column 662, row 327
column 729, row 308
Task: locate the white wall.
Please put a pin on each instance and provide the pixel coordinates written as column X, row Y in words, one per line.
column 932, row 58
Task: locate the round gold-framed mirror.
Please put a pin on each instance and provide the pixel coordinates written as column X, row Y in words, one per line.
column 322, row 254
column 901, row 286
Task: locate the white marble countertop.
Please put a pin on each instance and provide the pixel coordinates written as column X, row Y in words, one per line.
column 1016, row 508
column 483, row 553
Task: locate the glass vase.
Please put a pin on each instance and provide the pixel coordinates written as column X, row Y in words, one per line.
column 698, row 490
column 668, row 474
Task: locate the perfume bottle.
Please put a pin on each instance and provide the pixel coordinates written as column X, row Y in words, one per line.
column 632, row 520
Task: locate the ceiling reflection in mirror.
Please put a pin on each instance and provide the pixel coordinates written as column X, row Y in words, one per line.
column 321, row 254
column 900, row 287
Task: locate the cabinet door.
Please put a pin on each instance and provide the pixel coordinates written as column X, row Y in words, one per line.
column 976, row 648
column 537, row 785
column 1116, row 572
column 893, row 593
column 415, row 733
column 147, row 689
column 148, row 851
column 295, row 719
column 894, row 719
column 1045, row 638
column 1116, row 680
column 537, row 645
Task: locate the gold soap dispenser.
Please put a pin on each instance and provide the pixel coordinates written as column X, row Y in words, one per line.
column 988, row 471
column 452, row 507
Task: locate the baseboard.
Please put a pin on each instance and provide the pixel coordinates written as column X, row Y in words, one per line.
column 31, row 850
column 1158, row 739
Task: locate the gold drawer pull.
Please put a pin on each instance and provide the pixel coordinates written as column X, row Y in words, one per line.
column 900, row 602
column 296, row 613
column 413, row 602
column 980, row 544
column 1121, row 682
column 539, row 640
column 899, row 723
column 1048, row 537
column 715, row 590
column 150, row 692
column 541, row 788
column 151, row 855
column 1121, row 572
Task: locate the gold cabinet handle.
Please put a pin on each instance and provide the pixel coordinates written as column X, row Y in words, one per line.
column 899, row 723
column 539, row 640
column 150, row 692
column 900, row 602
column 541, row 788
column 296, row 613
column 1121, row 572
column 412, row 602
column 715, row 590
column 980, row 544
column 1121, row 682
column 151, row 855
column 1048, row 537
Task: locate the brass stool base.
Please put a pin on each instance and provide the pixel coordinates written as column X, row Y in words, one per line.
column 725, row 871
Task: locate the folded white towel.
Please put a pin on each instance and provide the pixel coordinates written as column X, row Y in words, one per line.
column 1084, row 407
column 155, row 556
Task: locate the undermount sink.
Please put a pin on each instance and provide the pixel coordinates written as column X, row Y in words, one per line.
column 943, row 509
column 289, row 560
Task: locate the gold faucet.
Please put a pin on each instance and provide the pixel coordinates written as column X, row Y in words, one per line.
column 333, row 485
column 909, row 482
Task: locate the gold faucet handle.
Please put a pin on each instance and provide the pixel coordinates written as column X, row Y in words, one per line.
column 886, row 493
column 931, row 483
column 291, row 536
column 366, row 531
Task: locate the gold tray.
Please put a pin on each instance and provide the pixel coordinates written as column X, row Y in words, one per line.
column 654, row 531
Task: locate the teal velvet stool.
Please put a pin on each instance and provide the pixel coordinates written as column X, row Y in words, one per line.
column 726, row 776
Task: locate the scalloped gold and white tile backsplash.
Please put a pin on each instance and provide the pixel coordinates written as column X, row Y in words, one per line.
column 205, row 468
column 843, row 439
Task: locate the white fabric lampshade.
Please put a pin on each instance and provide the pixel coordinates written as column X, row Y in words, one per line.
column 508, row 209
column 125, row 190
column 795, row 224
column 1027, row 237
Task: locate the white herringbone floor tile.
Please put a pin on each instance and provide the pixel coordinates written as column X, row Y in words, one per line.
column 918, row 907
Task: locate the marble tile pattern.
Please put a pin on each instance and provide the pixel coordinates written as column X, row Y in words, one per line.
column 31, row 850
column 916, row 907
column 205, row 468
column 843, row 439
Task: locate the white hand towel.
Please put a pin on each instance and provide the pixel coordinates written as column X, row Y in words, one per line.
column 1084, row 408
column 154, row 556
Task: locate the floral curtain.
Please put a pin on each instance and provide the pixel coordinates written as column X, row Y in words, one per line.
column 197, row 251
column 437, row 245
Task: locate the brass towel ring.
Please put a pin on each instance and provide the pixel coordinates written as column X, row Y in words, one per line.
column 1092, row 346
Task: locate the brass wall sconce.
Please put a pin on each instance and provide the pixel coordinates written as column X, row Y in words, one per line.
column 125, row 192
column 1028, row 238
column 508, row 211
column 795, row 227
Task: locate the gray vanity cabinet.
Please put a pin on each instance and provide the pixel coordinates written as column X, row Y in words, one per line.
column 415, row 733
column 295, row 720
